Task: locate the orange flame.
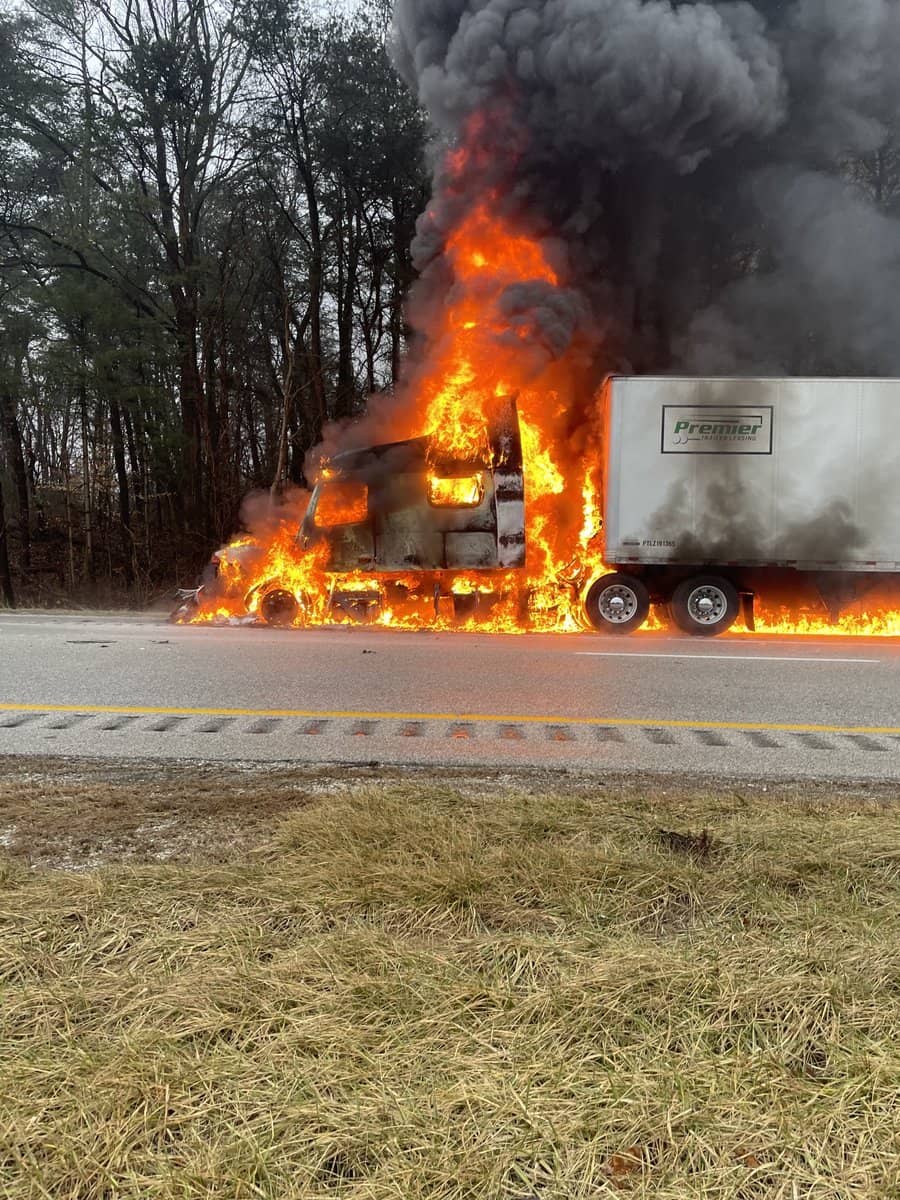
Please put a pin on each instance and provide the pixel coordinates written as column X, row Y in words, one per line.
column 479, row 352
column 342, row 502
column 457, row 491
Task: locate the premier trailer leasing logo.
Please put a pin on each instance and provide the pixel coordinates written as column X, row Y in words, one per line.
column 728, row 429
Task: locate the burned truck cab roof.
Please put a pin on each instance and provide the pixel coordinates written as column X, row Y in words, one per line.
column 392, row 457
column 394, row 508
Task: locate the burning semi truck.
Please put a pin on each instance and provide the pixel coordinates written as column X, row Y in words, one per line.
column 706, row 495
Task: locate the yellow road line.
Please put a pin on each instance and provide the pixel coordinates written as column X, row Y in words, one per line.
column 512, row 718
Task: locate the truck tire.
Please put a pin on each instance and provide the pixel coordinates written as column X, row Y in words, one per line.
column 705, row 605
column 617, row 603
column 278, row 607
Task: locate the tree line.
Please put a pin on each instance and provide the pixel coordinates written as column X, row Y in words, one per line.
column 206, row 212
column 205, row 219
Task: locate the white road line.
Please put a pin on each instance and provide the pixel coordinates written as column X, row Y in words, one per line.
column 721, row 657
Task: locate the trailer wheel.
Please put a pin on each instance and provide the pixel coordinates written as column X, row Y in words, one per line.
column 617, row 603
column 705, row 605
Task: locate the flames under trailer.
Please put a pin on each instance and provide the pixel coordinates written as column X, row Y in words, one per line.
column 718, row 490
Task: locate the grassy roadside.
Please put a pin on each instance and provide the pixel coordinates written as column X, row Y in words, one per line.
column 496, row 988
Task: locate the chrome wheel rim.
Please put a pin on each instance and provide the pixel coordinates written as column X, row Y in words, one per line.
column 617, row 604
column 707, row 605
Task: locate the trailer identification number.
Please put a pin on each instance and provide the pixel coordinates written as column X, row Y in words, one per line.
column 720, row 429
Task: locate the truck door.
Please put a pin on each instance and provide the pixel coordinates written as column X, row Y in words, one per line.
column 340, row 512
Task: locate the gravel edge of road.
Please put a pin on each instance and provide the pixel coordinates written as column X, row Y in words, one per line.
column 80, row 813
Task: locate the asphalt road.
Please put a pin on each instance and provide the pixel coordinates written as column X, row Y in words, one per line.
column 826, row 708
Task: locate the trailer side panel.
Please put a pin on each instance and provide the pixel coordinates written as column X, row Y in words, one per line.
column 763, row 472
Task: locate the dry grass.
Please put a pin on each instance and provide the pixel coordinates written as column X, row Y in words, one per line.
column 514, row 993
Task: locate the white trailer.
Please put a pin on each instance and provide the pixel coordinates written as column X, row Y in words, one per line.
column 712, row 488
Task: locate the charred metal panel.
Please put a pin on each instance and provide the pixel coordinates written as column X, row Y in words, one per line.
column 474, row 550
column 352, row 547
column 405, row 531
column 509, row 486
column 408, row 538
column 375, row 464
column 510, row 522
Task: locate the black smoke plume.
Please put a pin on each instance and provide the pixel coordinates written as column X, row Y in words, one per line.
column 720, row 182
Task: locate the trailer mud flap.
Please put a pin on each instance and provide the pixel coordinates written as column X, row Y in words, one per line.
column 747, row 610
